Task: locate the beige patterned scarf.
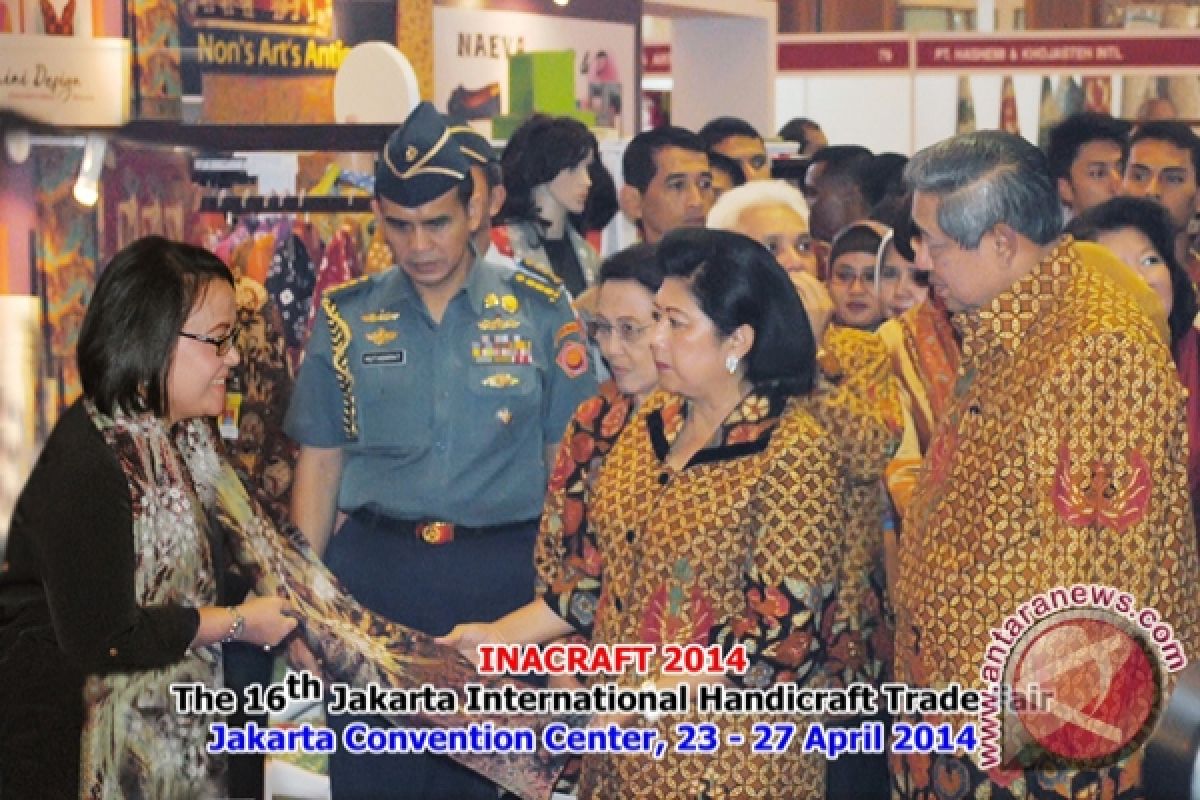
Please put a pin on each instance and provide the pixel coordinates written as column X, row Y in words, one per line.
column 134, row 745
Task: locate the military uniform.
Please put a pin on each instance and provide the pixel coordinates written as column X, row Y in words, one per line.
column 443, row 427
column 442, row 421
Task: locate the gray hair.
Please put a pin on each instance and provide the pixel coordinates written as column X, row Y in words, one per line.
column 986, row 178
column 730, row 206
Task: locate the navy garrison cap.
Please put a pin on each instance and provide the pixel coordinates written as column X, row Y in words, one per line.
column 473, row 144
column 421, row 161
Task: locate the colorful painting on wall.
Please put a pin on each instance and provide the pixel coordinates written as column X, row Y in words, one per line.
column 66, row 263
column 58, row 17
column 148, row 191
column 156, row 54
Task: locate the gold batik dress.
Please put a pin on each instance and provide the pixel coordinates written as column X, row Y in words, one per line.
column 743, row 545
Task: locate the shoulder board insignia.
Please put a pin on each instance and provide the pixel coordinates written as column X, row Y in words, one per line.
column 539, row 270
column 341, row 287
column 539, row 286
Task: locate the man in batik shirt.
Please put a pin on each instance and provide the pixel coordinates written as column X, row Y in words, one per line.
column 1059, row 461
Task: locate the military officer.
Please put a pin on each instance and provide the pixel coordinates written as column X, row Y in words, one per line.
column 428, row 409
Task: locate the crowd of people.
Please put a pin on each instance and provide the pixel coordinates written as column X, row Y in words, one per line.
column 848, row 425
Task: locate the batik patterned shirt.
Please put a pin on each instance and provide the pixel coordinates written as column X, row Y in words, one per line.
column 1061, row 460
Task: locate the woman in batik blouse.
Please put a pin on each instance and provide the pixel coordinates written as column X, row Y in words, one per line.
column 719, row 515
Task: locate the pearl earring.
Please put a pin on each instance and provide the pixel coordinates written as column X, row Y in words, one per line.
column 731, row 364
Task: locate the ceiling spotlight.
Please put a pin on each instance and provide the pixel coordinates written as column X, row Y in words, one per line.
column 87, row 185
column 561, row 2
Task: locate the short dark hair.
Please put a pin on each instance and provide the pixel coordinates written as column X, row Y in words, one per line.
column 493, row 173
column 537, row 152
column 736, row 281
column 1152, row 221
column 1083, row 127
column 1173, row 131
column 986, row 178
column 636, row 263
column 796, row 130
column 143, row 298
column 882, row 177
column 896, row 213
column 852, row 165
column 863, row 236
column 839, row 158
column 727, row 165
column 718, row 130
column 638, row 165
column 466, row 190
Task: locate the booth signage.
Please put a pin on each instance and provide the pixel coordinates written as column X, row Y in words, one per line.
column 256, row 40
column 812, row 55
column 267, row 54
column 66, row 81
column 960, row 53
column 1094, row 52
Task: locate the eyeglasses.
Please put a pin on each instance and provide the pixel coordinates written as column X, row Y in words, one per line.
column 627, row 332
column 848, row 276
column 222, row 343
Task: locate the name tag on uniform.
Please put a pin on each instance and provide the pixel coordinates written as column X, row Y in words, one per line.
column 385, row 358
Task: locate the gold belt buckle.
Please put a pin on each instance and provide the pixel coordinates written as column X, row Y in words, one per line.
column 436, row 532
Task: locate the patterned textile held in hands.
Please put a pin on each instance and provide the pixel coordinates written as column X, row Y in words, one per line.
column 182, row 486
